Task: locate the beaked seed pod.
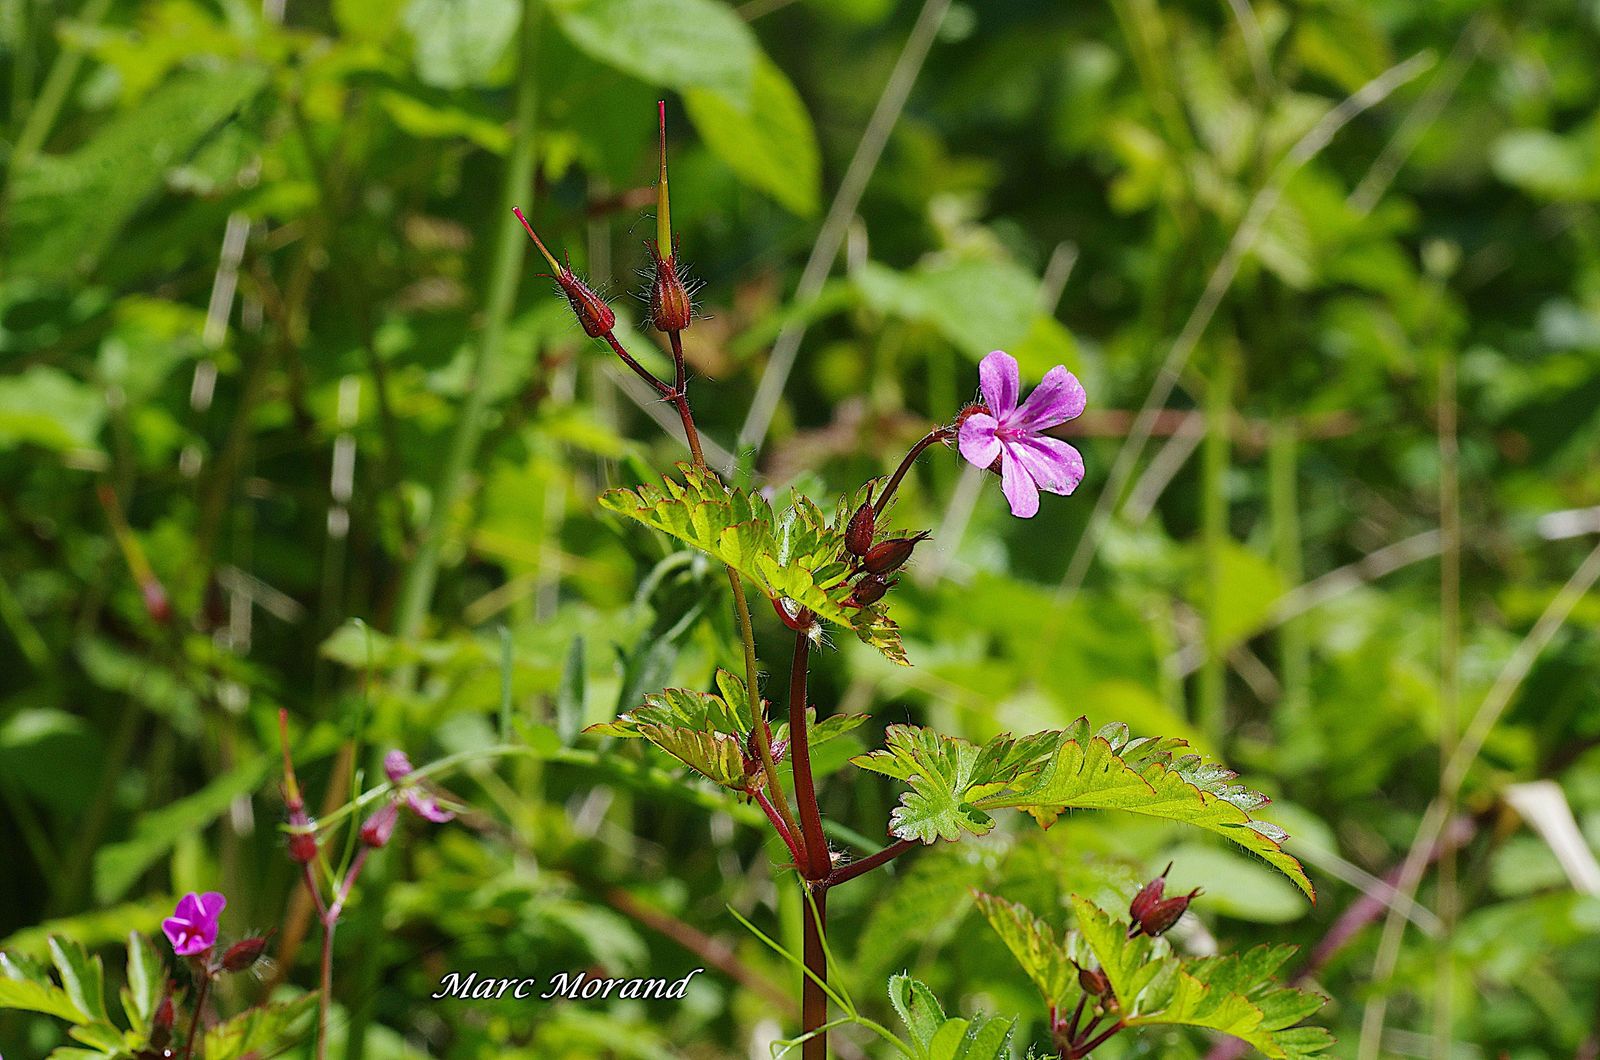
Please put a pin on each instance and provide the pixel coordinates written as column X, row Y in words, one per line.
column 671, row 308
column 891, row 555
column 591, row 310
column 858, row 532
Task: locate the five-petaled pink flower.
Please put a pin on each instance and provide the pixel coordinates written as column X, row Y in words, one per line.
column 192, row 927
column 417, row 799
column 1013, row 435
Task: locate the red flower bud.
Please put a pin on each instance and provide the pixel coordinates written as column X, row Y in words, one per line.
column 302, row 844
column 869, row 590
column 244, row 953
column 161, row 1022
column 156, row 603
column 891, row 555
column 377, row 829
column 1094, row 982
column 858, row 534
column 1151, row 913
column 671, row 308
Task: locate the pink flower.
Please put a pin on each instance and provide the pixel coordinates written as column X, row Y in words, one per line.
column 1013, row 436
column 397, row 766
column 192, row 927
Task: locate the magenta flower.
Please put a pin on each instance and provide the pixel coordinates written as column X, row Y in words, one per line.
column 192, row 927
column 1012, row 436
column 417, row 799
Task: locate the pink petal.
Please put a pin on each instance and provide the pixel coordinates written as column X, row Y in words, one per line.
column 188, row 909
column 978, row 443
column 1018, row 486
column 175, row 929
column 1051, row 463
column 396, row 765
column 1058, row 398
column 424, row 806
column 1000, row 380
column 211, row 905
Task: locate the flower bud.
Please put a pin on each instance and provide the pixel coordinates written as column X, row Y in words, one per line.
column 303, row 838
column 377, row 829
column 156, row 603
column 869, row 590
column 891, row 555
column 1151, row 913
column 858, row 533
column 243, row 954
column 161, row 1022
column 671, row 308
column 1094, row 982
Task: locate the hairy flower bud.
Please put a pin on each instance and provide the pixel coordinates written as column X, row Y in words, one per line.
column 869, row 590
column 1151, row 913
column 243, row 954
column 858, row 533
column 671, row 308
column 891, row 555
column 377, row 829
column 592, row 312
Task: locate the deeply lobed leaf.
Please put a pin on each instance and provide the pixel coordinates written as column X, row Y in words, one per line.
column 955, row 783
column 795, row 555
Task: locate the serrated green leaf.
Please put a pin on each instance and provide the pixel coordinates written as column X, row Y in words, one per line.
column 703, row 730
column 146, row 977
column 917, row 1008
column 82, row 977
column 257, row 1030
column 32, row 996
column 1232, row 995
column 954, row 783
column 1035, row 946
column 795, row 556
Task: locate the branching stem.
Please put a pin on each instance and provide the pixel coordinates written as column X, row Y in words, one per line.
column 938, row 434
column 845, row 873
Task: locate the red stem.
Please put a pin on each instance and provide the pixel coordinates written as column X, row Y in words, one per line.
column 680, row 400
column 643, row 373
column 860, row 868
column 938, row 434
column 781, row 828
column 813, row 998
column 1098, row 1041
column 199, row 1007
column 818, row 863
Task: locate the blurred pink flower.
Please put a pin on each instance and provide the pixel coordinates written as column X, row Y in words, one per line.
column 192, row 927
column 398, row 767
column 1013, row 435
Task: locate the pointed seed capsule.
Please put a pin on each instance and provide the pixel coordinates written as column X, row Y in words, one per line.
column 858, row 533
column 591, row 310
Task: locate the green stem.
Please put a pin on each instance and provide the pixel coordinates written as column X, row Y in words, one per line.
column 1294, row 651
column 416, row 590
column 53, row 94
column 1214, row 539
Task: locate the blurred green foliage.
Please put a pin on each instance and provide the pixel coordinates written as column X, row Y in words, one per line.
column 244, row 284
